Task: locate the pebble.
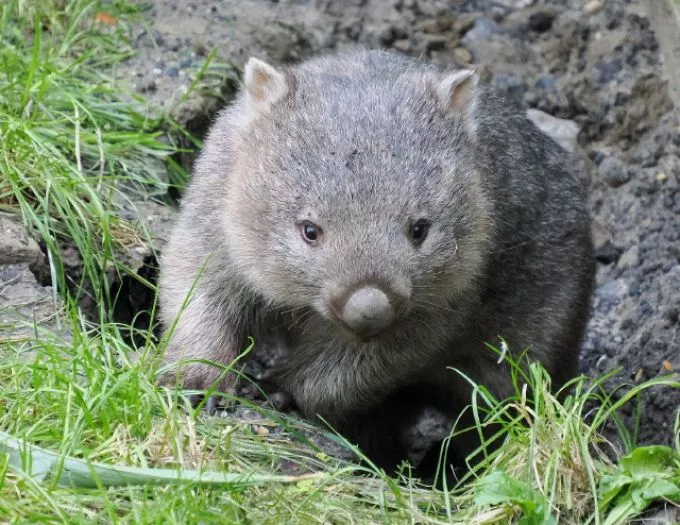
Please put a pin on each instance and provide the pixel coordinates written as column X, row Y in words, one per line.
column 462, row 55
column 593, row 7
column 545, row 82
column 403, row 45
column 562, row 131
column 261, row 430
column 483, row 29
column 615, row 173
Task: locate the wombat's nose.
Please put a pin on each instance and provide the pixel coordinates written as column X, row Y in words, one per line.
column 367, row 311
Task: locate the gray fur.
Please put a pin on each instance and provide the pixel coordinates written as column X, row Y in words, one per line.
column 361, row 145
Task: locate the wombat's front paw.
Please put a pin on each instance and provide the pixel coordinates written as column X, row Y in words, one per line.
column 202, row 378
column 198, row 377
column 268, row 391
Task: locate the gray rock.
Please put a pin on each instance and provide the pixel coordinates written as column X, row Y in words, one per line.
column 562, row 131
column 16, row 246
column 614, row 172
column 26, row 308
column 483, row 29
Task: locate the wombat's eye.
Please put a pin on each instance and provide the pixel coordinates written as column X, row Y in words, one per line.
column 418, row 231
column 310, row 232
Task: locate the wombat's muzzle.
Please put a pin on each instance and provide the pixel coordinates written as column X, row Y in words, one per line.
column 367, row 311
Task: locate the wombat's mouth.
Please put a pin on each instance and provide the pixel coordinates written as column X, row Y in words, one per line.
column 356, row 336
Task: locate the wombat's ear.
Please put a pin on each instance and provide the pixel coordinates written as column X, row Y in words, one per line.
column 264, row 84
column 458, row 92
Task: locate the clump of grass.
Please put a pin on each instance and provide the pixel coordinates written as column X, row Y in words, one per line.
column 86, row 399
column 75, row 148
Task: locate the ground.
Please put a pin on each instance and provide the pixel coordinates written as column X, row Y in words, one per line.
column 594, row 63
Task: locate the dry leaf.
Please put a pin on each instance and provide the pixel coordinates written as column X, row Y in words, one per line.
column 106, row 18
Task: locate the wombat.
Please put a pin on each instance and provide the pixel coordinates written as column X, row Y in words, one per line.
column 385, row 219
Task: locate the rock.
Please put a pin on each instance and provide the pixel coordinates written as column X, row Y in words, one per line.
column 403, row 45
column 16, row 246
column 562, row 131
column 482, row 29
column 462, row 55
column 593, row 7
column 545, row 82
column 614, row 172
column 195, row 108
column 25, row 306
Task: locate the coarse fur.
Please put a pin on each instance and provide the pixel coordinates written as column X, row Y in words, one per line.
column 363, row 145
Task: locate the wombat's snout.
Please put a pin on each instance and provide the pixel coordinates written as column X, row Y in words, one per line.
column 367, row 311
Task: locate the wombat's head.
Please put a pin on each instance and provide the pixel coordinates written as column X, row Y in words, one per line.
column 353, row 188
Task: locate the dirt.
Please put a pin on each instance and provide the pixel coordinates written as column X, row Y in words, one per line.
column 597, row 65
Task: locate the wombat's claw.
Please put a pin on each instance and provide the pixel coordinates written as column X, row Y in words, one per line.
column 211, row 406
column 279, row 400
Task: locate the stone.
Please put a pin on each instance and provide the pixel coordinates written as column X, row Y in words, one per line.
column 16, row 246
column 482, row 29
column 614, row 172
column 462, row 55
column 562, row 131
column 593, row 7
column 25, row 307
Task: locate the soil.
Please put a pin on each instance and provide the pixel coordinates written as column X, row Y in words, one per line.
column 594, row 63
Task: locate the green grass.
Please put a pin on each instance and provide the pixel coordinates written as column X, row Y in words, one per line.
column 87, row 437
column 75, row 148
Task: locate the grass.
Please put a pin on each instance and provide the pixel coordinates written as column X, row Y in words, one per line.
column 86, row 435
column 76, row 150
